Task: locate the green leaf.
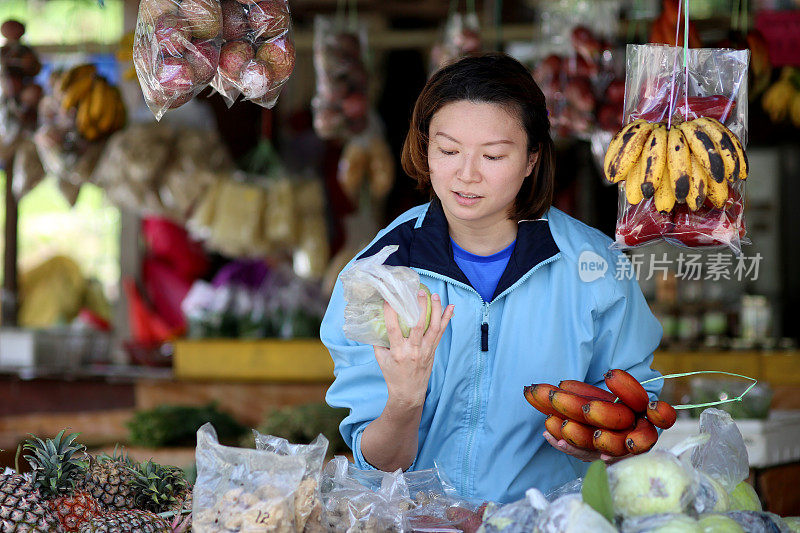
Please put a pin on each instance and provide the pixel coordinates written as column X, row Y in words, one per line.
column 595, row 491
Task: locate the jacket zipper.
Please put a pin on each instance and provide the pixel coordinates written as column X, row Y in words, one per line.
column 484, row 348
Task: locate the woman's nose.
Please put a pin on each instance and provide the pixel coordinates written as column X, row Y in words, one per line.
column 469, row 173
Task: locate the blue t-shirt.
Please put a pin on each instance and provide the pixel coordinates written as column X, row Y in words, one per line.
column 482, row 271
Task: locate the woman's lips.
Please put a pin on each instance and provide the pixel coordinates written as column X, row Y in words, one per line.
column 466, row 199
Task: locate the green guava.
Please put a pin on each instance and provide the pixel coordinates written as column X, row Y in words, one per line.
column 793, row 522
column 678, row 523
column 718, row 523
column 744, row 498
column 647, row 484
column 405, row 329
column 379, row 323
column 713, row 494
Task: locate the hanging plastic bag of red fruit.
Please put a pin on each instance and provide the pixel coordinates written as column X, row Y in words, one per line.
column 461, row 37
column 257, row 55
column 679, row 160
column 176, row 50
column 341, row 103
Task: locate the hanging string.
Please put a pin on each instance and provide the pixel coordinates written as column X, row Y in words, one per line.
column 452, row 9
column 707, row 404
column 340, row 11
column 354, row 15
column 685, row 59
column 735, row 7
column 746, row 17
column 671, row 107
column 498, row 23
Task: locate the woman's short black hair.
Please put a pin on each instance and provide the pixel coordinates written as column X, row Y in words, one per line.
column 492, row 78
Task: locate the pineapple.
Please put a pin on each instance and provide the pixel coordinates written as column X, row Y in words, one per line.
column 131, row 521
column 21, row 508
column 56, row 466
column 110, row 481
column 160, row 488
column 73, row 511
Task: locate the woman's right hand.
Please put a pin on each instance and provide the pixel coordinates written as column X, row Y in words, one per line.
column 407, row 363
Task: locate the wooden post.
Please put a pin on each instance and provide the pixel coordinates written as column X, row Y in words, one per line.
column 9, row 294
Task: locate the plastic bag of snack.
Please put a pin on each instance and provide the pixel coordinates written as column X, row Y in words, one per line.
column 240, row 489
column 341, row 102
column 679, row 161
column 257, row 55
column 176, row 50
column 353, row 507
column 308, row 507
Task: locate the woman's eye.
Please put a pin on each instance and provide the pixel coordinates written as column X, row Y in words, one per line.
column 447, row 152
column 494, row 157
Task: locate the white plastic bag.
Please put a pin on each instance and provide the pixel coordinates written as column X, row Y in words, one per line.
column 309, row 511
column 366, row 285
column 724, row 456
column 240, row 489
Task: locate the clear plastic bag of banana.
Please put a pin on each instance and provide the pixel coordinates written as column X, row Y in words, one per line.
column 679, row 160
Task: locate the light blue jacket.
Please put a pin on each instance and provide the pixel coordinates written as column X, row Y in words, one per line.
column 548, row 321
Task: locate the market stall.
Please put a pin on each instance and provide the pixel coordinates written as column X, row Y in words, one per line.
column 185, row 181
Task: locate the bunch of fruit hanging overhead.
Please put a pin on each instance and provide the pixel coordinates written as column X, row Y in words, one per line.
column 239, row 47
column 684, row 162
column 70, row 491
column 616, row 423
column 679, row 161
column 19, row 95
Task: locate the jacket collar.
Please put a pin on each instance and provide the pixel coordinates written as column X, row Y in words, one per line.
column 431, row 249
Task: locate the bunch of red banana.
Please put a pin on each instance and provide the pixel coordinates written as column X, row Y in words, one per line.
column 615, row 423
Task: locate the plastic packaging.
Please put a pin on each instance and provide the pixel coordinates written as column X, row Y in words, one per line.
column 661, row 523
column 652, row 483
column 367, row 284
column 367, row 162
column 659, row 88
column 257, row 55
column 28, row 170
column 515, row 517
column 341, row 102
column 724, row 456
column 241, row 489
column 569, row 514
column 352, row 507
column 308, row 507
column 461, row 37
column 176, row 50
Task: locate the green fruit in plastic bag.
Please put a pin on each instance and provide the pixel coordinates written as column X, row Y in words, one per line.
column 793, row 522
column 744, row 498
column 710, row 490
column 717, row 523
column 405, row 328
column 647, row 484
column 380, row 324
column 677, row 524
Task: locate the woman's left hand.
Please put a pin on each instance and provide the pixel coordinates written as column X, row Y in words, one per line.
column 583, row 455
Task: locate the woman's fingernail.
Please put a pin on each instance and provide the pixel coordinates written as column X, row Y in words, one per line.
column 420, row 293
column 435, row 297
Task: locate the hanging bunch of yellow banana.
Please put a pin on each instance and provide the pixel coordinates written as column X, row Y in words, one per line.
column 686, row 163
column 100, row 110
column 782, row 99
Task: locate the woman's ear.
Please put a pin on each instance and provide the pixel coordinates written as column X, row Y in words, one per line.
column 533, row 157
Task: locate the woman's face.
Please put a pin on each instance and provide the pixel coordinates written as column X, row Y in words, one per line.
column 478, row 158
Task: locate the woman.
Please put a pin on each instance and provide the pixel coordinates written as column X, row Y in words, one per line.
column 490, row 247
